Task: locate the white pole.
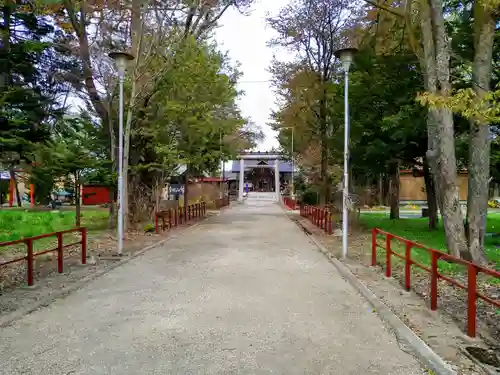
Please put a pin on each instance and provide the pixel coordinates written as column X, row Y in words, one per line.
column 345, row 195
column 120, row 169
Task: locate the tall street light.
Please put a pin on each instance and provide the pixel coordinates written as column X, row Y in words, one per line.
column 293, row 163
column 121, row 61
column 346, row 56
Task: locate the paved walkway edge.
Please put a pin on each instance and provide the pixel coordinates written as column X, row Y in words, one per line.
column 10, row 318
column 404, row 334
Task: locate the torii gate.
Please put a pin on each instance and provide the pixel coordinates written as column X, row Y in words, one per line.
column 260, row 156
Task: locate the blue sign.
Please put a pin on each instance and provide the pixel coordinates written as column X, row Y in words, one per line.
column 175, row 191
column 246, row 188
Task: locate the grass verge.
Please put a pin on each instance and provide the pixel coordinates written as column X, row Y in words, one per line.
column 416, row 229
column 17, row 224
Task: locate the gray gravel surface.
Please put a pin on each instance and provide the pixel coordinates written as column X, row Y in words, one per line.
column 243, row 293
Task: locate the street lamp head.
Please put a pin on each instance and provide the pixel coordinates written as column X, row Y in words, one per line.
column 121, row 59
column 346, row 56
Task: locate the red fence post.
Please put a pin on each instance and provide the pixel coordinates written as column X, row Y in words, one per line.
column 471, row 299
column 434, row 280
column 374, row 246
column 84, row 245
column 330, row 223
column 156, row 223
column 29, row 259
column 325, row 221
column 388, row 253
column 60, row 255
column 408, row 265
column 169, row 218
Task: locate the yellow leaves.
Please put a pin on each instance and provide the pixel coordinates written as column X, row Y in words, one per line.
column 466, row 103
column 490, row 4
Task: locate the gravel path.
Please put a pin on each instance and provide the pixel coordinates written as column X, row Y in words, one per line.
column 243, row 293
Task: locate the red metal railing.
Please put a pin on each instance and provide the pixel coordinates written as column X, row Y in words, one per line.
column 321, row 217
column 290, row 203
column 30, row 254
column 175, row 216
column 472, row 271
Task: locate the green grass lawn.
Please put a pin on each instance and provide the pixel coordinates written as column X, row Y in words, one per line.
column 416, row 229
column 17, row 224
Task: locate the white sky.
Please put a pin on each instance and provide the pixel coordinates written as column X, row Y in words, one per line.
column 245, row 38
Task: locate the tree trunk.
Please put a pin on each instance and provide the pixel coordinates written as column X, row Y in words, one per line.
column 186, row 193
column 78, row 207
column 441, row 153
column 430, row 192
column 136, row 27
column 16, row 187
column 479, row 136
column 112, row 218
column 452, row 213
column 381, row 189
column 325, row 186
column 78, row 22
column 394, row 190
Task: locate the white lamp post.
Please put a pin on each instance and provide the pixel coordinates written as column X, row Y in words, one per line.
column 121, row 61
column 346, row 56
column 293, row 163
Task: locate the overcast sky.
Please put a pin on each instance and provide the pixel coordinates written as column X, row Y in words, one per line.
column 245, row 38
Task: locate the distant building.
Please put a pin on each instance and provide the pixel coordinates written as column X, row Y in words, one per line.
column 259, row 173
